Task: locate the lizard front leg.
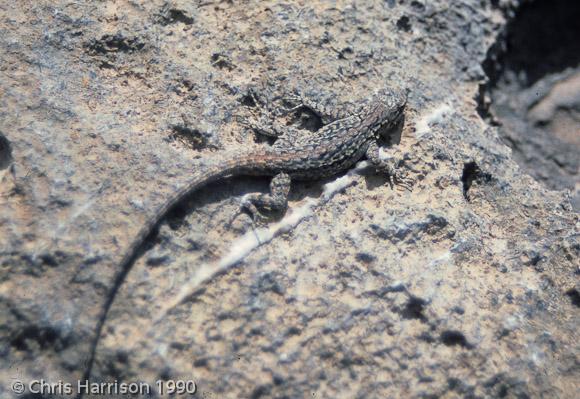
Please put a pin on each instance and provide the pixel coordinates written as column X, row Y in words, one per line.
column 389, row 166
column 276, row 200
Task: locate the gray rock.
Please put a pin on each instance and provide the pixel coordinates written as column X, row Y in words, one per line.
column 467, row 286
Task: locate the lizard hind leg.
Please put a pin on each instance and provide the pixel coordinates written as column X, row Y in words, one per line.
column 276, row 200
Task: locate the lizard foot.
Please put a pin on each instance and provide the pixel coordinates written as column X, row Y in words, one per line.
column 276, row 200
column 402, row 179
column 397, row 177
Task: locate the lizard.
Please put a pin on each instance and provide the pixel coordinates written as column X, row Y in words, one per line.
column 346, row 137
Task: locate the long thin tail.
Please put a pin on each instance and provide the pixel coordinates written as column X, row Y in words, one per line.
column 238, row 164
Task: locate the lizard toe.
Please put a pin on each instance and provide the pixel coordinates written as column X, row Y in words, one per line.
column 404, row 180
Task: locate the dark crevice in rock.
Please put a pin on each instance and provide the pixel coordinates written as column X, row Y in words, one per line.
column 414, row 309
column 461, row 387
column 458, row 309
column 222, row 61
column 404, row 24
column 176, row 217
column 35, row 335
column 418, row 6
column 270, row 282
column 5, row 152
column 184, row 87
column 247, row 100
column 192, row 138
column 345, row 53
column 533, row 72
column 471, row 173
column 365, row 257
column 454, row 338
column 53, row 259
column 426, row 337
column 483, row 104
column 574, row 296
column 170, row 15
column 541, row 39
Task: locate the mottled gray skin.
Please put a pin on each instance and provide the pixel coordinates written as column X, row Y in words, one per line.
column 339, row 144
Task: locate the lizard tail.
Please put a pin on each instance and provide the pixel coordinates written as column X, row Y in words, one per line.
column 239, row 164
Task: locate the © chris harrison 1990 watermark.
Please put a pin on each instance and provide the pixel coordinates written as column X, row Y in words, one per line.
column 85, row 387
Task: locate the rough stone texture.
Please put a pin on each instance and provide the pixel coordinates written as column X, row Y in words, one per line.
column 465, row 287
column 534, row 92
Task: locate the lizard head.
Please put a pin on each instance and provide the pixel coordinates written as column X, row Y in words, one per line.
column 392, row 102
column 387, row 110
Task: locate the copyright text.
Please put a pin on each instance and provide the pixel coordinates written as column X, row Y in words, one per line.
column 115, row 387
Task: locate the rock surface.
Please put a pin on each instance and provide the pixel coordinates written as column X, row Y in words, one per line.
column 535, row 92
column 467, row 286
